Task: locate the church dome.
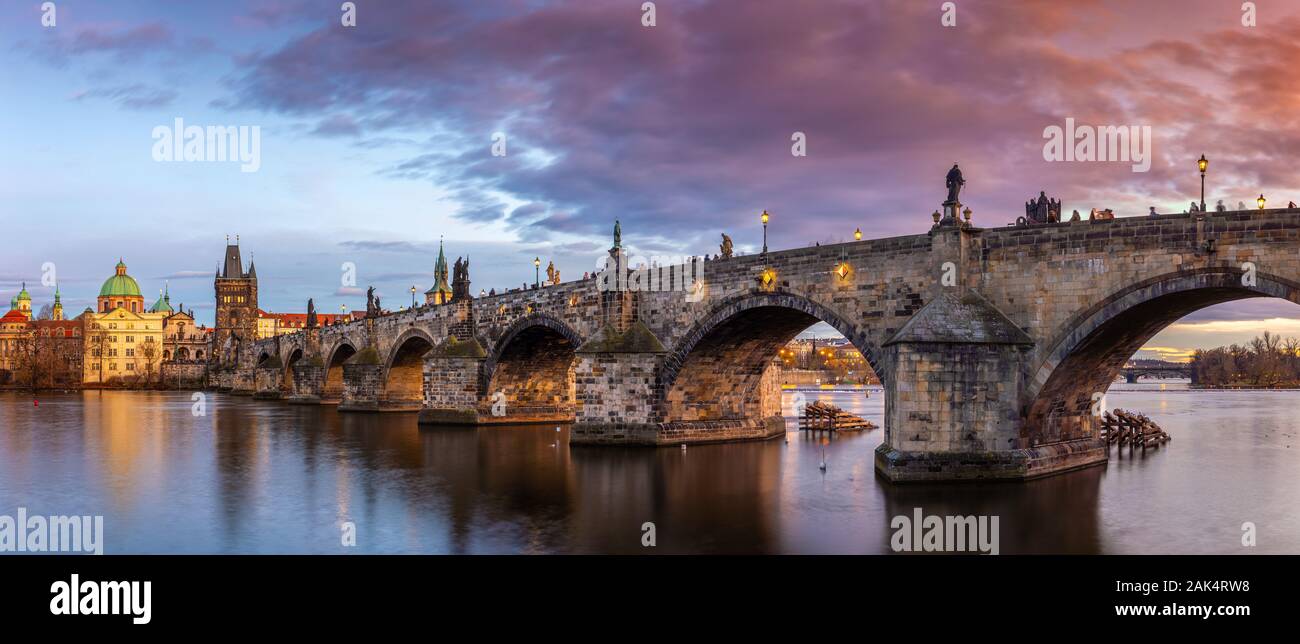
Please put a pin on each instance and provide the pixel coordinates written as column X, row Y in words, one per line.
column 120, row 284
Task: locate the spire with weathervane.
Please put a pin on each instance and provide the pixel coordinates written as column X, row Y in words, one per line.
column 440, row 292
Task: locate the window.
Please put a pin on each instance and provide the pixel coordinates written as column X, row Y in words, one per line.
column 130, row 353
column 112, row 366
column 130, row 338
column 130, row 366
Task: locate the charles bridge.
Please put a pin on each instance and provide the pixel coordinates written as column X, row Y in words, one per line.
column 992, row 344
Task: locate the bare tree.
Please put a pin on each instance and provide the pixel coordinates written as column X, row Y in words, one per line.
column 149, row 352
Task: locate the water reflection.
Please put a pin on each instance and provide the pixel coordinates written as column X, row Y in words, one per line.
column 270, row 477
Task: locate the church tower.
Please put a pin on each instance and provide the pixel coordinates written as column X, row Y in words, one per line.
column 236, row 324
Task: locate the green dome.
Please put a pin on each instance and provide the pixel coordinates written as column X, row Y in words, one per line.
column 22, row 295
column 163, row 305
column 120, row 284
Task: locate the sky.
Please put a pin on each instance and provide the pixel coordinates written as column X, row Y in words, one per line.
column 376, row 140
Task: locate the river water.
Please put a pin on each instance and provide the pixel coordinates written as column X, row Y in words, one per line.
column 267, row 477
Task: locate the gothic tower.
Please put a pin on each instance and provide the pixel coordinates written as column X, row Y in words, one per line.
column 236, row 324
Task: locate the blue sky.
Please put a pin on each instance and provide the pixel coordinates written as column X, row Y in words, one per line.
column 375, row 140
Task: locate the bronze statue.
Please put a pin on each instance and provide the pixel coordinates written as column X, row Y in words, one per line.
column 371, row 302
column 725, row 247
column 618, row 234
column 954, row 182
column 551, row 273
column 311, row 314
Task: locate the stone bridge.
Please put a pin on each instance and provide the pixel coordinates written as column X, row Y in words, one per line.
column 1133, row 372
column 991, row 343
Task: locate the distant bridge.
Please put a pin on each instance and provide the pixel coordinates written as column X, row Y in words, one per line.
column 990, row 342
column 1155, row 369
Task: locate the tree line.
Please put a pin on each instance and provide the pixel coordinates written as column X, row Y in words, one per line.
column 1266, row 361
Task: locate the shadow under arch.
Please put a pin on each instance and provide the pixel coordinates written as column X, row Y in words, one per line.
column 287, row 379
column 716, row 370
column 332, row 392
column 1089, row 352
column 532, row 365
column 404, row 369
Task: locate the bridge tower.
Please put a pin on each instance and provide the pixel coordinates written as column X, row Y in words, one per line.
column 236, row 316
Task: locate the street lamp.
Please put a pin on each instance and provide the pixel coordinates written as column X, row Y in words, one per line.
column 857, row 234
column 537, row 272
column 412, row 296
column 1261, row 201
column 1202, row 163
column 764, row 217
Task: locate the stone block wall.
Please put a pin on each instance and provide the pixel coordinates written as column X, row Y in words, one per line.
column 183, row 375
column 308, row 381
column 268, row 381
column 362, row 385
column 451, row 390
column 617, row 395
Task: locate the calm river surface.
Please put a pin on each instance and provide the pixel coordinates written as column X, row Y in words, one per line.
column 265, row 477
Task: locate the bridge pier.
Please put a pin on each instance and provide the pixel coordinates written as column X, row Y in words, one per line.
column 266, row 379
column 952, row 400
column 243, row 382
column 451, row 383
column 363, row 380
column 308, row 381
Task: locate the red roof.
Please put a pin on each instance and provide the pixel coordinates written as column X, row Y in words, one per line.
column 66, row 328
column 14, row 315
column 299, row 320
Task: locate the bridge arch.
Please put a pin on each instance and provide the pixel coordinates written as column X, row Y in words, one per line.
column 286, row 381
column 404, row 369
column 717, row 369
column 1088, row 352
column 337, row 355
column 532, row 365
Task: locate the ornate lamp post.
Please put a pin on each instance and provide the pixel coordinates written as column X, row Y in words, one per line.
column 857, row 234
column 1261, row 201
column 412, row 296
column 764, row 217
column 1202, row 163
column 537, row 272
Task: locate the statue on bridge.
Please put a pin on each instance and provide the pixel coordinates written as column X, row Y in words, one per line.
column 372, row 303
column 311, row 313
column 1042, row 210
column 552, row 275
column 954, row 181
column 725, row 247
column 460, row 280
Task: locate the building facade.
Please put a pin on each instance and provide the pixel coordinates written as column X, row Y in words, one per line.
column 123, row 342
column 39, row 352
